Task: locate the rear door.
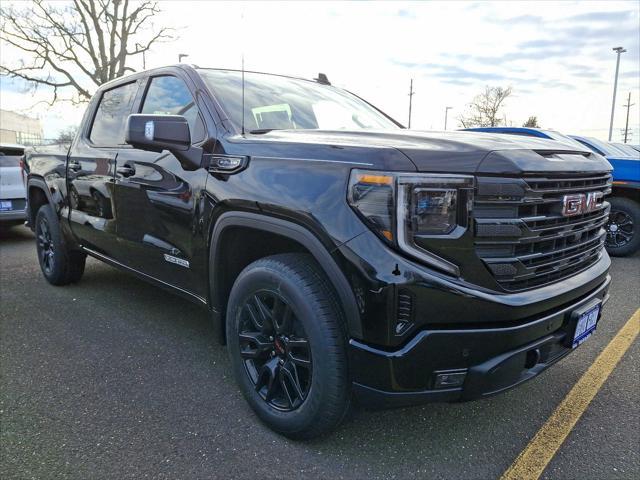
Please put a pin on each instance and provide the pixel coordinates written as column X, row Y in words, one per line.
column 91, row 171
column 157, row 201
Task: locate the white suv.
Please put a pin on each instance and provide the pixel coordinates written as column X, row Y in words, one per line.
column 12, row 185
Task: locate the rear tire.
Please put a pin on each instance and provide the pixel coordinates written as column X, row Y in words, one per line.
column 290, row 358
column 623, row 227
column 59, row 264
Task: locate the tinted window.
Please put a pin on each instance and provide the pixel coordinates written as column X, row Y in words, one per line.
column 111, row 117
column 170, row 96
column 9, row 160
column 274, row 102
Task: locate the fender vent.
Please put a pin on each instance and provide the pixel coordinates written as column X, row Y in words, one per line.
column 404, row 311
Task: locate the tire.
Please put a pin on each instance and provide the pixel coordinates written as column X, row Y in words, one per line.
column 59, row 264
column 623, row 227
column 268, row 357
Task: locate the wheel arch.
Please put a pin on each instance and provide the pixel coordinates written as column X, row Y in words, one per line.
column 630, row 191
column 294, row 237
column 37, row 195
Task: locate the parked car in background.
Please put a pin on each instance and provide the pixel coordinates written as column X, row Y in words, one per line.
column 623, row 229
column 12, row 186
column 530, row 132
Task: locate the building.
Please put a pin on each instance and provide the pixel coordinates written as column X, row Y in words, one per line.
column 20, row 129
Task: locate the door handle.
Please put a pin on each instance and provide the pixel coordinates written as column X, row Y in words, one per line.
column 75, row 166
column 126, row 170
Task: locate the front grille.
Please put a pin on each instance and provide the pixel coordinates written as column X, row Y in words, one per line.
column 522, row 236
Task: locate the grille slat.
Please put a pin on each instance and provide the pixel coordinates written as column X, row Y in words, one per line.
column 524, row 239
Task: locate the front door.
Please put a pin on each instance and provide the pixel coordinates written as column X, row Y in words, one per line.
column 157, row 201
column 91, row 172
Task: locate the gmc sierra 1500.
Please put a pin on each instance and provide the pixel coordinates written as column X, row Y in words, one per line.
column 340, row 255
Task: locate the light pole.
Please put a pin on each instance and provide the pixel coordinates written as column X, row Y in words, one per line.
column 181, row 56
column 618, row 50
column 446, row 114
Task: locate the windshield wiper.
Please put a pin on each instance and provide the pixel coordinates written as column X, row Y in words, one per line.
column 259, row 131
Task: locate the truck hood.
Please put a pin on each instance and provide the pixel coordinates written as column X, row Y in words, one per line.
column 453, row 152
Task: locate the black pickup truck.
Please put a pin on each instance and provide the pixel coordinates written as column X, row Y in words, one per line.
column 341, row 257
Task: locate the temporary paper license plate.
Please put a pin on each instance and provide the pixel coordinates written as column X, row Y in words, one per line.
column 585, row 325
column 5, row 205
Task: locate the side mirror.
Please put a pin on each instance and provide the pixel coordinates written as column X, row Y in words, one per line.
column 156, row 133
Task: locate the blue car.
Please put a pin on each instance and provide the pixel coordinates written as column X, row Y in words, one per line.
column 623, row 228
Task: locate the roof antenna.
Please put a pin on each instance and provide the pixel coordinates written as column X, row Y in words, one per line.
column 322, row 79
column 243, row 94
column 242, row 22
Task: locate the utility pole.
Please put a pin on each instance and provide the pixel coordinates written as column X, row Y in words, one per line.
column 446, row 114
column 626, row 127
column 618, row 50
column 411, row 94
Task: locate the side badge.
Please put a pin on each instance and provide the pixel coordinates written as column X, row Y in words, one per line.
column 227, row 163
column 149, row 131
column 176, row 260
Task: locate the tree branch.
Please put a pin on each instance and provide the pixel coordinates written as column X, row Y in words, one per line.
column 77, row 46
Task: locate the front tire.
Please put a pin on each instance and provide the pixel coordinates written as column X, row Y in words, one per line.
column 623, row 227
column 287, row 345
column 59, row 264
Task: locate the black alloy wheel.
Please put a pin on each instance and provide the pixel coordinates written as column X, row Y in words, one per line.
column 45, row 245
column 623, row 235
column 275, row 350
column 287, row 342
column 59, row 263
column 619, row 229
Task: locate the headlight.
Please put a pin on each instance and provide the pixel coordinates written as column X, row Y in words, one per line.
column 407, row 209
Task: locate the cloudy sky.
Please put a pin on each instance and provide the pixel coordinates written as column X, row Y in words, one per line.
column 557, row 56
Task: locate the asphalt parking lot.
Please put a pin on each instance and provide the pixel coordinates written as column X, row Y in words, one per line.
column 112, row 378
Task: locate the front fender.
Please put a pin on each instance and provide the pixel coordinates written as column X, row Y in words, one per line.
column 293, row 232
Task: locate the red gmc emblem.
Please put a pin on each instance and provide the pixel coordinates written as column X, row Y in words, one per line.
column 580, row 203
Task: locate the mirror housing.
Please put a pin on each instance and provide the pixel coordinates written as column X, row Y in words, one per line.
column 156, row 133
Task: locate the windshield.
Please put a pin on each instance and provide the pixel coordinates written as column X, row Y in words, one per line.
column 565, row 139
column 273, row 102
column 606, row 148
column 628, row 150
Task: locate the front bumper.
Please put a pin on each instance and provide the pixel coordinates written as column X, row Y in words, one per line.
column 493, row 359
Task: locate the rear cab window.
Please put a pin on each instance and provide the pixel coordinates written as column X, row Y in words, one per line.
column 10, row 157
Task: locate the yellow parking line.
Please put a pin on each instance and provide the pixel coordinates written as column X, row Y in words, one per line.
column 534, row 459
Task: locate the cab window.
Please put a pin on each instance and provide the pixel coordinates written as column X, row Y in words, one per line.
column 111, row 116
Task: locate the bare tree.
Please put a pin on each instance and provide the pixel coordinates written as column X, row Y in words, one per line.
column 532, row 122
column 75, row 47
column 66, row 135
column 484, row 110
